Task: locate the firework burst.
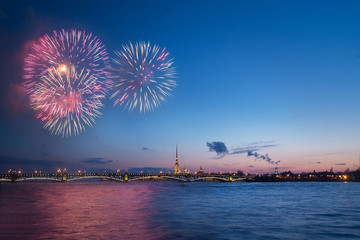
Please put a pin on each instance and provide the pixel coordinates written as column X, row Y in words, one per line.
column 66, row 76
column 63, row 49
column 143, row 76
column 67, row 100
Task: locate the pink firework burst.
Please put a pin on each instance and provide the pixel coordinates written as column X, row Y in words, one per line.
column 67, row 100
column 63, row 49
column 67, row 77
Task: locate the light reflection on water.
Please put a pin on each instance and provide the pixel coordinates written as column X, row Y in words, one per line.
column 171, row 210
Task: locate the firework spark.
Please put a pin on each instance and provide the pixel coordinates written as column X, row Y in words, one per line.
column 66, row 48
column 67, row 77
column 67, row 100
column 143, row 76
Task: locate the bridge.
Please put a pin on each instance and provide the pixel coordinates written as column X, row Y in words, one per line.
column 122, row 177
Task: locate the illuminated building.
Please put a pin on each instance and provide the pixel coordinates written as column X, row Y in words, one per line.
column 176, row 166
column 201, row 170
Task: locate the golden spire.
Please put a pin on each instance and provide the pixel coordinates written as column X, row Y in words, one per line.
column 176, row 153
column 176, row 165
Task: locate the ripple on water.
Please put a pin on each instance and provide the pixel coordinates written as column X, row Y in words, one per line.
column 171, row 210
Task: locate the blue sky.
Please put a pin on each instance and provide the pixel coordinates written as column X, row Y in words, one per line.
column 284, row 72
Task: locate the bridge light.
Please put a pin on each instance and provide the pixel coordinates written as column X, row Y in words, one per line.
column 19, row 172
column 79, row 171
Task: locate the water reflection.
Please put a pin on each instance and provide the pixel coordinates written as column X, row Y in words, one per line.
column 80, row 210
column 170, row 210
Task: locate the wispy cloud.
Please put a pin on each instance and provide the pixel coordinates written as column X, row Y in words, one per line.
column 250, row 149
column 263, row 157
column 314, row 162
column 255, row 146
column 340, row 163
column 96, row 161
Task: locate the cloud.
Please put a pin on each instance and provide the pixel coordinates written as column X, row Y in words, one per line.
column 251, row 166
column 314, row 162
column 250, row 153
column 96, row 161
column 221, row 150
column 263, row 157
column 218, row 147
column 145, row 148
column 255, row 146
column 340, row 163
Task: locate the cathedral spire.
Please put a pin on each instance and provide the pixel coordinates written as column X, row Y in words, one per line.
column 176, row 165
column 177, row 153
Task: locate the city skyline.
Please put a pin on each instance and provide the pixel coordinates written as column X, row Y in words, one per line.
column 282, row 91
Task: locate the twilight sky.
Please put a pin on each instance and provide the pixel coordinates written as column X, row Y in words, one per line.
column 254, row 77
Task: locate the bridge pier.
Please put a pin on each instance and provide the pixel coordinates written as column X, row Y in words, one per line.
column 64, row 177
column 13, row 177
column 188, row 177
column 126, row 177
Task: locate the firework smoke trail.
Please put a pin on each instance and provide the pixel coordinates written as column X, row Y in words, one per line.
column 143, row 76
column 67, row 100
column 63, row 49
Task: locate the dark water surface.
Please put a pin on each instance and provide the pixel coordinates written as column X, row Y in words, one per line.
column 171, row 210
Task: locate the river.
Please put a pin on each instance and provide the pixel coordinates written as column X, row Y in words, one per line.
column 171, row 210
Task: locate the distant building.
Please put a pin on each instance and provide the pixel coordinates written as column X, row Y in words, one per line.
column 185, row 171
column 201, row 170
column 176, row 165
